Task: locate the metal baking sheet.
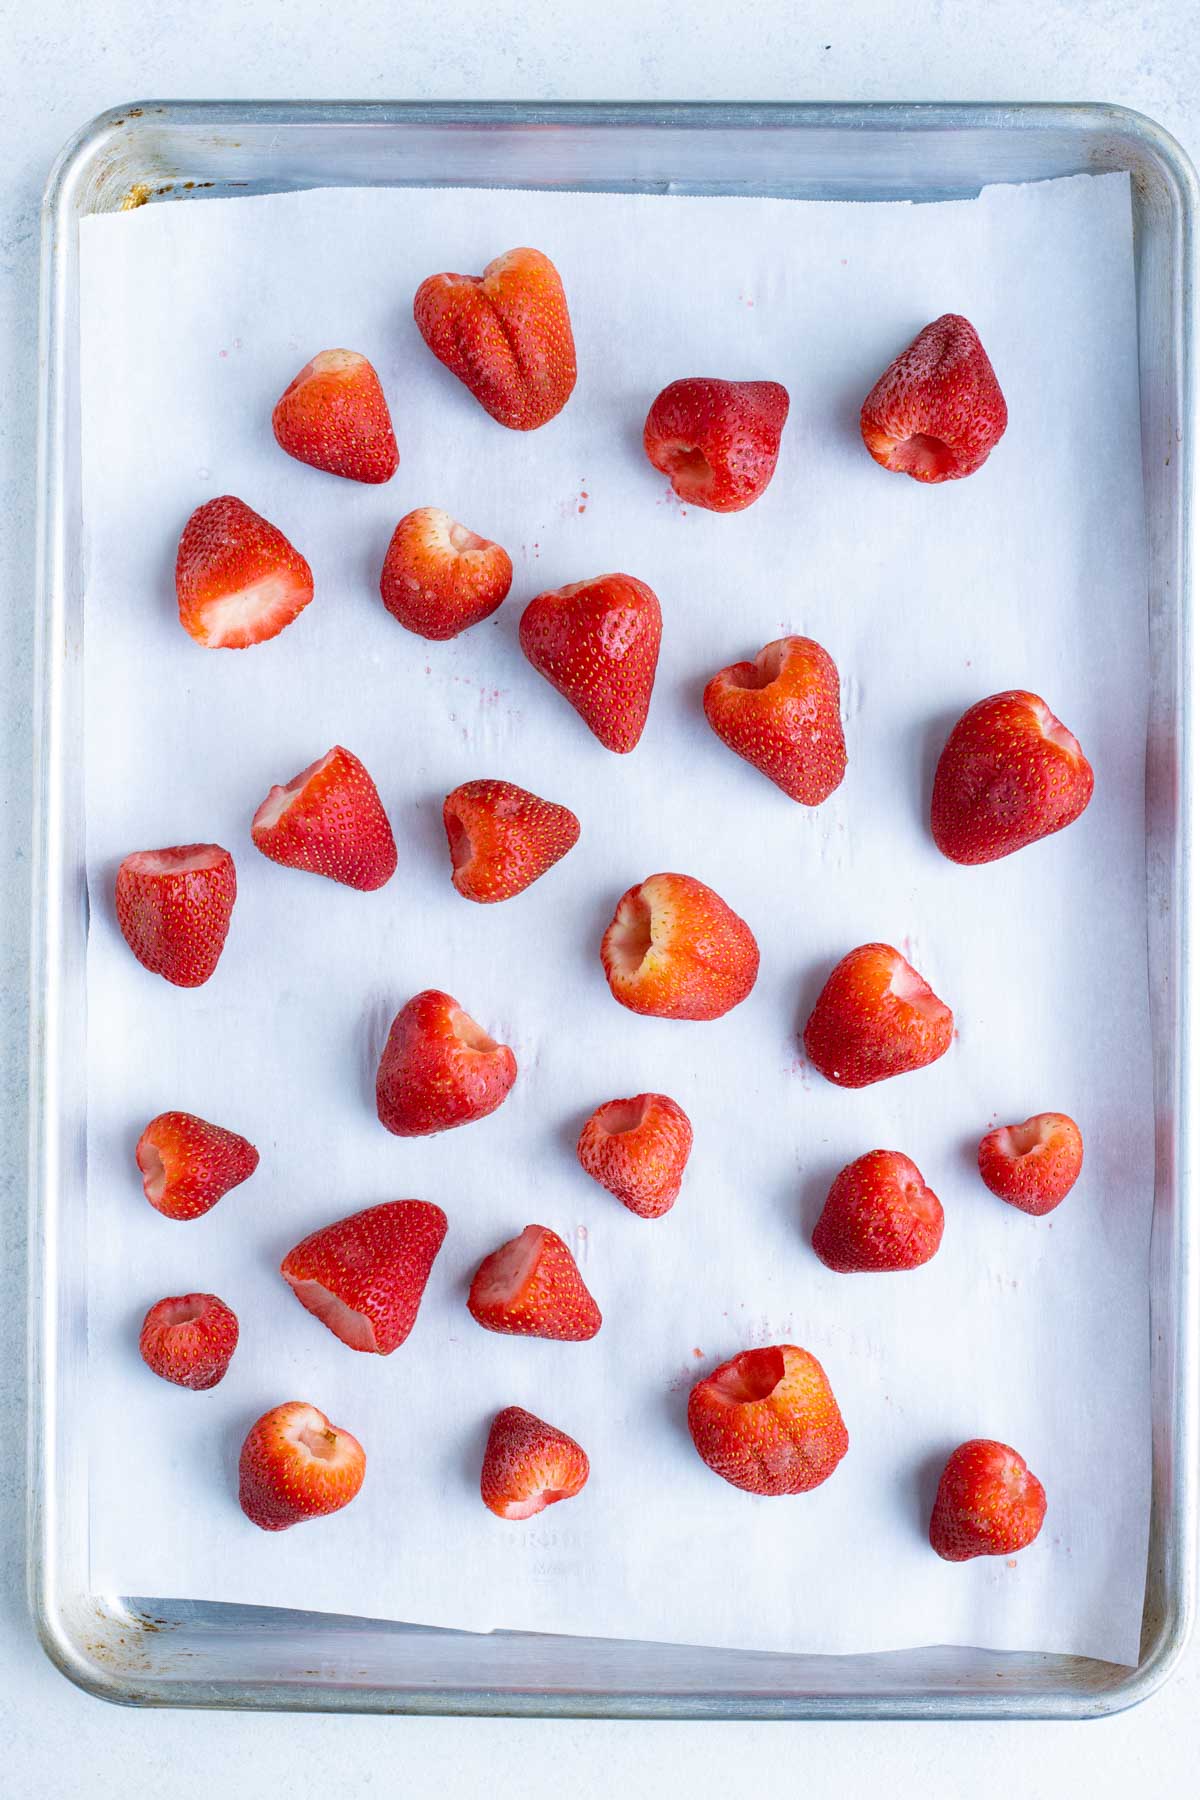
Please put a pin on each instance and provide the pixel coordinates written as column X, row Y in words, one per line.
column 144, row 1650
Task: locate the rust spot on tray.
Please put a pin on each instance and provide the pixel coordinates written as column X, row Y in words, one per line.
column 138, row 195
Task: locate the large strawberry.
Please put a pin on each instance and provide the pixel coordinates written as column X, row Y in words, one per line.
column 295, row 1465
column 874, row 1018
column 676, row 950
column 439, row 1068
column 238, row 581
column 329, row 820
column 717, row 441
column 878, row 1216
column 781, row 712
column 766, row 1421
column 334, row 417
column 506, row 334
column 529, row 1465
column 502, row 838
column 937, row 412
column 364, row 1276
column 531, row 1287
column 1010, row 773
column 1033, row 1166
column 638, row 1149
column 187, row 1164
column 988, row 1503
column 597, row 642
column 189, row 1339
column 174, row 907
column 439, row 578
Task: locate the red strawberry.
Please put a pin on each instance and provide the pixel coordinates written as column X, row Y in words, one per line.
column 531, row 1287
column 988, row 1503
column 767, row 1422
column 188, row 1165
column 439, row 1068
column 189, row 1340
column 781, row 713
column 330, row 820
column 174, row 907
column 638, row 1150
column 876, row 1017
column 439, row 578
column 237, row 579
column 718, row 441
column 334, row 417
column 1010, row 773
column 674, row 949
column 597, row 643
column 879, row 1215
column 502, row 838
column 1033, row 1166
column 364, row 1276
column 506, row 334
column 529, row 1465
column 295, row 1465
column 937, row 412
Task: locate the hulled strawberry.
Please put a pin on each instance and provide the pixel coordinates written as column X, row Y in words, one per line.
column 988, row 1503
column 333, row 416
column 676, row 950
column 717, row 441
column 597, row 642
column 874, row 1018
column 1033, row 1166
column 766, row 1421
column 502, row 838
column 439, row 578
column 531, row 1287
column 878, row 1216
column 188, row 1165
column 295, row 1465
column 506, row 334
column 937, row 412
column 189, row 1339
column 529, row 1465
column 439, row 1068
column 174, row 908
column 364, row 1276
column 238, row 580
column 638, row 1149
column 781, row 713
column 329, row 820
column 1010, row 773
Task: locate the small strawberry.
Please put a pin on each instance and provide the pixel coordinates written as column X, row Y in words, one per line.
column 439, row 578
column 767, row 1422
column 174, row 907
column 333, row 416
column 937, row 412
column 295, row 1465
column 237, row 579
column 364, row 1276
column 502, row 838
column 718, row 441
column 439, row 1068
column 188, row 1165
column 638, row 1150
column 1010, row 773
column 597, row 642
column 874, row 1018
column 529, row 1465
column 675, row 950
column 988, row 1503
column 879, row 1215
column 1033, row 1166
column 531, row 1287
column 506, row 334
column 329, row 820
column 189, row 1340
column 781, row 713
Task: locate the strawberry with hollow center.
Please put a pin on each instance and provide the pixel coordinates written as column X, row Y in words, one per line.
column 766, row 1421
column 294, row 1465
column 717, row 441
column 439, row 578
column 506, row 334
column 529, row 1465
column 329, row 820
column 1010, row 773
column 188, row 1165
column 878, row 1216
column 189, row 1339
column 638, row 1149
column 532, row 1287
column 502, row 838
column 989, row 1503
column 238, row 581
column 1034, row 1165
column 597, row 642
column 439, row 1068
column 937, row 412
column 334, row 417
column 675, row 950
column 364, row 1276
column 781, row 713
column 174, row 907
column 875, row 1018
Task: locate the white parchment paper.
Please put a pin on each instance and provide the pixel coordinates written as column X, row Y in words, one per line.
column 1031, row 574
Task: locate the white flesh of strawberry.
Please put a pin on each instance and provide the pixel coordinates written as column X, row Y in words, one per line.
column 280, row 798
column 350, row 1326
column 233, row 615
column 512, row 1268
